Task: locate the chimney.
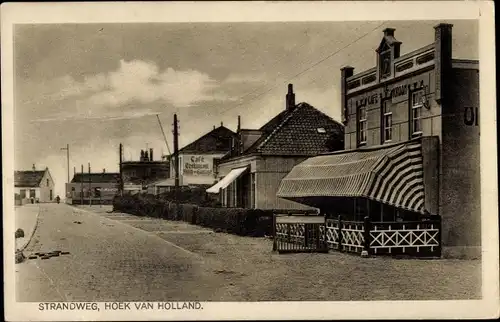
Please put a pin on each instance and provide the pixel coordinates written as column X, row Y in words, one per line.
column 104, row 170
column 239, row 124
column 290, row 98
column 345, row 73
column 150, row 154
column 221, row 124
column 33, row 168
column 389, row 32
column 142, row 156
column 146, row 156
column 214, row 127
column 442, row 58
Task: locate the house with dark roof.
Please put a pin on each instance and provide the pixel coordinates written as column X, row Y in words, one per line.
column 251, row 173
column 93, row 188
column 33, row 186
column 198, row 160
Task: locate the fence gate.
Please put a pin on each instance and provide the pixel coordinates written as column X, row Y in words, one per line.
column 299, row 233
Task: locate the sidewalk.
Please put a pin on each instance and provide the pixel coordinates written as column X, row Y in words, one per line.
column 26, row 219
column 247, row 269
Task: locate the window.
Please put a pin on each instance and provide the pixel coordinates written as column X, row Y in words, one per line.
column 385, row 64
column 386, row 122
column 32, row 193
column 416, row 112
column 97, row 192
column 22, row 192
column 362, row 125
column 321, row 130
column 48, row 183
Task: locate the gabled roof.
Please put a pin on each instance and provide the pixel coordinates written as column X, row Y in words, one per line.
column 218, row 140
column 302, row 130
column 96, row 177
column 28, row 178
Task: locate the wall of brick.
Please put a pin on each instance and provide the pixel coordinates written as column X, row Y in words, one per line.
column 460, row 175
column 400, row 107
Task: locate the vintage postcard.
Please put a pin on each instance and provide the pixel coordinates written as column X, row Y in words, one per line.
column 249, row 160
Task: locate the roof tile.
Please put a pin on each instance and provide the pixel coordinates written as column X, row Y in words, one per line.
column 28, row 178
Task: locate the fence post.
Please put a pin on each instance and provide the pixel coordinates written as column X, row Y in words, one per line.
column 340, row 233
column 274, row 232
column 440, row 242
column 367, row 228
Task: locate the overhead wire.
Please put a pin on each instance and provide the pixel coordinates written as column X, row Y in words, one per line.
column 305, row 70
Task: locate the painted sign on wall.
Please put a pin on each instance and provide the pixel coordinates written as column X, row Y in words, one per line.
column 197, row 165
column 396, row 92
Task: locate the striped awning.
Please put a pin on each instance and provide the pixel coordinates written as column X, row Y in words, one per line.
column 392, row 175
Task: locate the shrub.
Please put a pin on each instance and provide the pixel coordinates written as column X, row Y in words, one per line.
column 240, row 221
column 19, row 233
column 19, row 257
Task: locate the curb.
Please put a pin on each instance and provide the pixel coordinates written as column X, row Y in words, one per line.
column 22, row 248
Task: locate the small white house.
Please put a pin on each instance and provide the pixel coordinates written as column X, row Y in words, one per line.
column 33, row 186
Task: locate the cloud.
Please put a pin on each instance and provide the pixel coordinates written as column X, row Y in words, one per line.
column 134, row 82
column 143, row 82
column 125, row 115
column 245, row 78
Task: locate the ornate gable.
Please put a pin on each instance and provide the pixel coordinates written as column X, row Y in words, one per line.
column 387, row 51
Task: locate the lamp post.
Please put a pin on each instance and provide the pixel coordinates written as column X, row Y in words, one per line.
column 67, row 159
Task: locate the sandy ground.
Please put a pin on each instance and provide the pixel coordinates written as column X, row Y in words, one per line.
column 26, row 219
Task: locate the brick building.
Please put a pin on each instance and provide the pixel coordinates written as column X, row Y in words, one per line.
column 412, row 144
column 251, row 173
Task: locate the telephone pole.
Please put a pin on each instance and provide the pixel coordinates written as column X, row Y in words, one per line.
column 121, row 172
column 67, row 160
column 81, row 188
column 176, row 164
column 90, row 187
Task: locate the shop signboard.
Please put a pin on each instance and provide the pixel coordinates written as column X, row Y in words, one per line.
column 197, row 166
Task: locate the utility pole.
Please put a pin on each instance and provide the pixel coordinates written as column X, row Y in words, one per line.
column 121, row 171
column 81, row 188
column 176, row 164
column 90, row 187
column 67, row 160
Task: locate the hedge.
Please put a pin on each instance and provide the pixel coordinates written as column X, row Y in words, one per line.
column 240, row 221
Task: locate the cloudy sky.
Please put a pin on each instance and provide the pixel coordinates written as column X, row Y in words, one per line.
column 95, row 85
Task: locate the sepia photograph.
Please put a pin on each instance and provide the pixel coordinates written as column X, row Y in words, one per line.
column 157, row 168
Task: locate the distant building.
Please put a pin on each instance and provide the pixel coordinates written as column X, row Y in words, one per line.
column 198, row 160
column 95, row 188
column 33, row 186
column 251, row 173
column 138, row 175
column 412, row 141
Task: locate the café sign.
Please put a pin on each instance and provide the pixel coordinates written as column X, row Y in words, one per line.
column 389, row 92
column 197, row 165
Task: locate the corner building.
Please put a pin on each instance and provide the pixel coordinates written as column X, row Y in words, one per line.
column 427, row 104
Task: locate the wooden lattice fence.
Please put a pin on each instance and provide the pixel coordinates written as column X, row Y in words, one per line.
column 311, row 233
